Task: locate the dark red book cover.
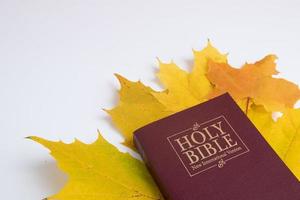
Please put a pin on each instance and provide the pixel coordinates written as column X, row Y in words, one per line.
column 212, row 151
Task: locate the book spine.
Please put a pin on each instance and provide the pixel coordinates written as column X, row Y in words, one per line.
column 140, row 148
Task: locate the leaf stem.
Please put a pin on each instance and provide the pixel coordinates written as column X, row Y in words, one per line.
column 247, row 105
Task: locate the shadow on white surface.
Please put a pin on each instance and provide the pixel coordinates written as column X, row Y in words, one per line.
column 50, row 176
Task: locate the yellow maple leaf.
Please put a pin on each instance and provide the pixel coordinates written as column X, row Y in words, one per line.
column 198, row 82
column 261, row 118
column 140, row 105
column 254, row 81
column 184, row 89
column 177, row 96
column 137, row 107
column 100, row 171
column 284, row 137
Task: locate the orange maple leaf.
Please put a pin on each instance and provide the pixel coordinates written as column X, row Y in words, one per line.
column 254, row 81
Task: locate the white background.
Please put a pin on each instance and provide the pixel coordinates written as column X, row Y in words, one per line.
column 57, row 60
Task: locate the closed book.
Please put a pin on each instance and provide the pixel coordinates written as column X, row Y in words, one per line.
column 212, row 151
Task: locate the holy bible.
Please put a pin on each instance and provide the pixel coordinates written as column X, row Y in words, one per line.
column 212, row 151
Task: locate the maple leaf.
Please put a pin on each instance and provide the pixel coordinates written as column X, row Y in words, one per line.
column 199, row 84
column 261, row 118
column 254, row 81
column 100, row 171
column 177, row 96
column 284, row 137
column 137, row 107
column 184, row 89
